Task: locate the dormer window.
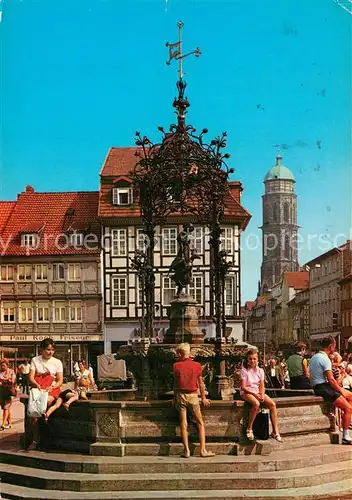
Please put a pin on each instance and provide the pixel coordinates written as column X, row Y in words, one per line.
column 76, row 239
column 29, row 240
column 122, row 196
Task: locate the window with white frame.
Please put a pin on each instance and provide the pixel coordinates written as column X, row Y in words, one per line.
column 6, row 272
column 119, row 242
column 169, row 240
column 229, row 296
column 25, row 272
column 29, row 240
column 59, row 311
column 75, row 311
column 139, row 292
column 119, row 291
column 196, row 289
column 76, row 239
column 8, row 312
column 197, row 240
column 141, row 243
column 168, row 291
column 74, row 272
column 41, row 272
column 122, row 196
column 227, row 239
column 58, row 272
column 26, row 312
column 43, row 312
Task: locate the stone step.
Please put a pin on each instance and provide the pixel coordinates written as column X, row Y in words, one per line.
column 280, row 460
column 306, row 423
column 299, row 411
column 341, row 490
column 270, row 480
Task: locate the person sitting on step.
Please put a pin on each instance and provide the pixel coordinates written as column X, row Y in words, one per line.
column 188, row 380
column 325, row 385
column 253, row 392
column 83, row 380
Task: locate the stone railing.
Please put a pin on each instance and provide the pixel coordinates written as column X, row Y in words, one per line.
column 152, row 427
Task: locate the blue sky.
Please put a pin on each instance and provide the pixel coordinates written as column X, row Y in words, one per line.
column 79, row 76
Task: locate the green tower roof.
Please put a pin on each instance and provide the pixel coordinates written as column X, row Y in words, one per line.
column 279, row 171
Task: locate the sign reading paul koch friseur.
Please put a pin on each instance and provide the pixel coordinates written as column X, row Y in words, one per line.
column 56, row 338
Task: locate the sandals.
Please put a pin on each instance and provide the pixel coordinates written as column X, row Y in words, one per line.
column 250, row 435
column 277, row 437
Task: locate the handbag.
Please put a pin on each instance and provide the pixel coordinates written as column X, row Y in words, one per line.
column 10, row 388
column 261, row 425
column 37, row 403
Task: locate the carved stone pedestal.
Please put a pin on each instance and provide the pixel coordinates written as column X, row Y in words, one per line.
column 183, row 322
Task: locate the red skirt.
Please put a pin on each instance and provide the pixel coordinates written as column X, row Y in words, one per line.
column 45, row 381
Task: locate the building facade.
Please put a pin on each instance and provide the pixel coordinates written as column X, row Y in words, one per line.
column 280, row 317
column 325, row 273
column 346, row 297
column 50, row 274
column 298, row 316
column 284, row 331
column 122, row 236
column 279, row 229
column 256, row 322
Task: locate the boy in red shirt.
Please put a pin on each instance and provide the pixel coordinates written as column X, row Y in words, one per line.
column 188, row 379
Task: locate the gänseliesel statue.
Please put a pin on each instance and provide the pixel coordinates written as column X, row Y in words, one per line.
column 181, row 267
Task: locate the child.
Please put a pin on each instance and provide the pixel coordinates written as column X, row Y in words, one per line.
column 66, row 398
column 253, row 392
column 188, row 379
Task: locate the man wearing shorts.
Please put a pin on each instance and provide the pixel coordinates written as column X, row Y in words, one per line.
column 326, row 386
column 188, row 379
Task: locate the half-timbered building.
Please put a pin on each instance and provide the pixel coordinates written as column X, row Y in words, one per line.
column 122, row 236
column 50, row 280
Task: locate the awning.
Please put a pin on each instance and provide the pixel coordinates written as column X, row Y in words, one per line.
column 321, row 336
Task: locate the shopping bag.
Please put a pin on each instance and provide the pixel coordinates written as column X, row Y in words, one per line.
column 261, row 425
column 37, row 403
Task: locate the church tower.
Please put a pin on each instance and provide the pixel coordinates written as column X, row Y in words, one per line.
column 279, row 227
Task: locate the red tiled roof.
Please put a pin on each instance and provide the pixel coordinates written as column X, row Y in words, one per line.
column 47, row 212
column 297, row 280
column 6, row 208
column 249, row 304
column 121, row 161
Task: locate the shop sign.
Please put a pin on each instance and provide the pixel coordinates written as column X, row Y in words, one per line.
column 55, row 337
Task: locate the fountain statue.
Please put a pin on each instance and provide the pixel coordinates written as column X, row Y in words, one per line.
column 183, row 311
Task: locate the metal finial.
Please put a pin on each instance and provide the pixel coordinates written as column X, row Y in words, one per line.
column 278, row 149
column 175, row 51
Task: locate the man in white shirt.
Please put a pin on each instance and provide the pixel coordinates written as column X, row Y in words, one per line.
column 24, row 371
column 326, row 386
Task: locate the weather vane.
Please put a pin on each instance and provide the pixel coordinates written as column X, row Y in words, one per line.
column 175, row 50
column 278, row 149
